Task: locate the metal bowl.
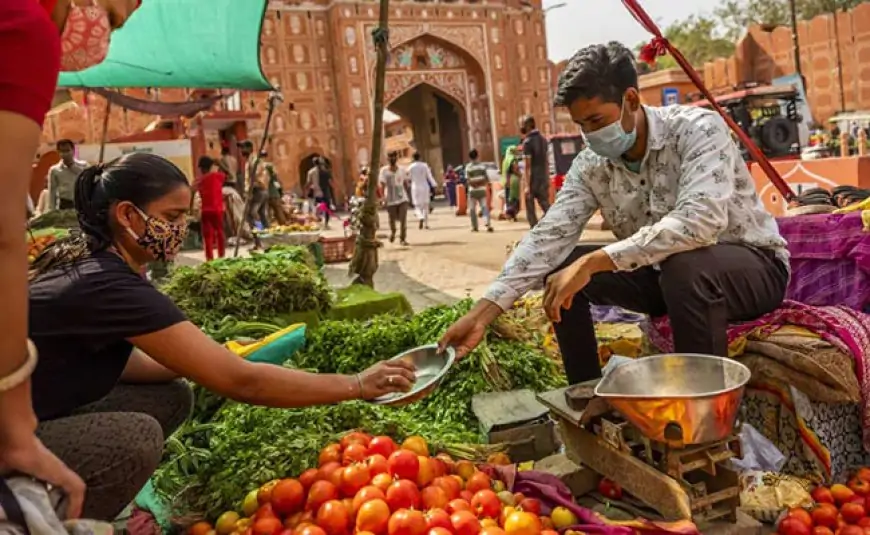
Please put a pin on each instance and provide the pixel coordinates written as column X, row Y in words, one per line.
column 679, row 399
column 431, row 367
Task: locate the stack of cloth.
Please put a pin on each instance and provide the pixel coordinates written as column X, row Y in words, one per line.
column 830, row 257
column 810, row 387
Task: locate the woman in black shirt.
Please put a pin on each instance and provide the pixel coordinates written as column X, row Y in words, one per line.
column 111, row 346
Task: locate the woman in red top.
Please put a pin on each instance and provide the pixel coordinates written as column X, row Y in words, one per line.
column 30, row 57
column 210, row 187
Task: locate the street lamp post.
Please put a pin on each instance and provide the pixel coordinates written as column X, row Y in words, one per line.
column 546, row 10
column 795, row 42
column 550, row 71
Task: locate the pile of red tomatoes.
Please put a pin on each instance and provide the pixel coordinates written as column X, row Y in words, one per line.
column 838, row 510
column 372, row 486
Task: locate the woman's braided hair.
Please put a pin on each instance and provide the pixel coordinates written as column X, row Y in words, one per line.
column 139, row 178
column 603, row 71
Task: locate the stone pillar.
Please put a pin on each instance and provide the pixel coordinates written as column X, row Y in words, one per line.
column 862, row 143
column 844, row 144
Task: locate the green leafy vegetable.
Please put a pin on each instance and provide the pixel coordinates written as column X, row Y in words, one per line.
column 267, row 285
column 228, row 449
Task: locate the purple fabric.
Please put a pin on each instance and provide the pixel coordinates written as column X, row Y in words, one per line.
column 830, row 259
column 552, row 493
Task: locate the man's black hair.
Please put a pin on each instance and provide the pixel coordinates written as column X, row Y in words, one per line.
column 529, row 122
column 603, row 71
column 417, row 156
column 68, row 142
column 205, row 163
column 473, row 155
column 393, row 156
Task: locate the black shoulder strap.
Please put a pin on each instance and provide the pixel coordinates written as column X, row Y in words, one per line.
column 10, row 505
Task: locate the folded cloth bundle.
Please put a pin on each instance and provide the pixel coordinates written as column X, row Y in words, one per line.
column 27, row 507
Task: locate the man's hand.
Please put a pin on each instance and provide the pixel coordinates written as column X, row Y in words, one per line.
column 563, row 285
column 469, row 330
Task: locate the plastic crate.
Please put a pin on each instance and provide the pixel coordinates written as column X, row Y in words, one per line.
column 338, row 250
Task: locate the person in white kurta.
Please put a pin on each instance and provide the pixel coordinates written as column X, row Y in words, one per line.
column 422, row 183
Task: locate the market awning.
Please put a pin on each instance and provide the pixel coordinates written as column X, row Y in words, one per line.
column 209, row 44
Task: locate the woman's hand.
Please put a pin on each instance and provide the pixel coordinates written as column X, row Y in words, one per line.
column 386, row 377
column 22, row 452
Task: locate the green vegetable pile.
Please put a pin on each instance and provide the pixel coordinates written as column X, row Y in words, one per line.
column 231, row 448
column 64, row 219
column 261, row 288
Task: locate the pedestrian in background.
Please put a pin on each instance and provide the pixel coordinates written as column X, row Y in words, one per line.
column 512, row 179
column 392, row 180
column 326, row 201
column 62, row 176
column 451, row 180
column 422, row 186
column 475, row 174
column 536, row 172
column 209, row 185
column 276, row 195
column 255, row 182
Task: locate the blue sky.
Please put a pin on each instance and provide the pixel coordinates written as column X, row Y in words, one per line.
column 609, row 20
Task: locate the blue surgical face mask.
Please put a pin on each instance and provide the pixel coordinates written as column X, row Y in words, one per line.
column 612, row 141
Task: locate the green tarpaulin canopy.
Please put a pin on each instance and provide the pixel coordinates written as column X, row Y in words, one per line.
column 208, row 44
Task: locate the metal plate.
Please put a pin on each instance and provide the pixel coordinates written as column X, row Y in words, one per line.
column 431, row 367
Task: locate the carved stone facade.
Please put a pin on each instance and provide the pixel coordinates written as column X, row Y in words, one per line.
column 487, row 59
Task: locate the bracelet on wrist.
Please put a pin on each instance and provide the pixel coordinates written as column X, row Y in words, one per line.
column 359, row 386
column 23, row 372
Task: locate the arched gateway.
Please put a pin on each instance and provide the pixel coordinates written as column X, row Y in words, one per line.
column 439, row 87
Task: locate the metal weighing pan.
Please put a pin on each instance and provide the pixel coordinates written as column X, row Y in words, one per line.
column 678, row 398
column 431, row 367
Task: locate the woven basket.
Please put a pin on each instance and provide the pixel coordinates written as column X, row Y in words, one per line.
column 337, row 250
column 289, row 238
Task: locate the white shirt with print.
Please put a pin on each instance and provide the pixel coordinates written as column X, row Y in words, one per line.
column 693, row 190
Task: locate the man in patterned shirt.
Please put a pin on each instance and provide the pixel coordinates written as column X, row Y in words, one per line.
column 694, row 240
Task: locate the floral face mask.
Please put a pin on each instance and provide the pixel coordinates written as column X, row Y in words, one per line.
column 161, row 239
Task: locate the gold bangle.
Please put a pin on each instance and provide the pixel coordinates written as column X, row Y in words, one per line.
column 359, row 384
column 23, row 373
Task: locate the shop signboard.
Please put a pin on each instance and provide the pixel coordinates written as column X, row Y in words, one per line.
column 670, row 96
column 177, row 151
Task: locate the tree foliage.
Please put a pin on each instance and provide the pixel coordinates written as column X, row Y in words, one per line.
column 700, row 40
column 738, row 15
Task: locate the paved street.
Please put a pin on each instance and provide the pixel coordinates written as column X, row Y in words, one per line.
column 440, row 265
column 448, row 261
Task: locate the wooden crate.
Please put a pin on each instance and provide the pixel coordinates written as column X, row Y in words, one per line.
column 338, row 250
